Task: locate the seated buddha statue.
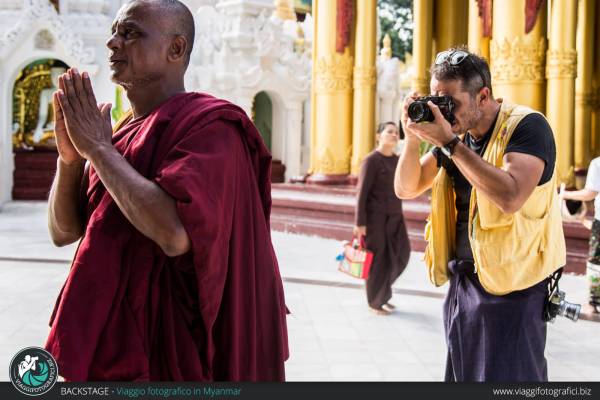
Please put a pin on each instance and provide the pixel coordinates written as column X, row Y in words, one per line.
column 44, row 131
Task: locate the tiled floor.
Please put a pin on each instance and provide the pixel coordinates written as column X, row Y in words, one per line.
column 332, row 334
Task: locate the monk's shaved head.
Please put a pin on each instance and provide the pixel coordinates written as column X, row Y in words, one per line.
column 176, row 18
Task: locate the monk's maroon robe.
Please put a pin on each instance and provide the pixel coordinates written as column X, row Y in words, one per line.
column 129, row 312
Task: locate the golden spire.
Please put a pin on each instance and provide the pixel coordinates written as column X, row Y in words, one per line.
column 300, row 42
column 284, row 9
column 386, row 50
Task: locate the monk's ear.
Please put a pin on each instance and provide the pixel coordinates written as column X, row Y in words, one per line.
column 178, row 48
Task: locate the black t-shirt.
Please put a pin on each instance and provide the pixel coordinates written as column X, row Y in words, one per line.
column 532, row 135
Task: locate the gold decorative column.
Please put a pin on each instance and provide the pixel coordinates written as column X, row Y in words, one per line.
column 596, row 91
column 561, row 69
column 450, row 27
column 517, row 60
column 422, row 44
column 477, row 43
column 331, row 107
column 284, row 9
column 365, row 80
column 583, row 86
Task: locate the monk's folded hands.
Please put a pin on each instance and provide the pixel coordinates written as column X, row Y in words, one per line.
column 88, row 124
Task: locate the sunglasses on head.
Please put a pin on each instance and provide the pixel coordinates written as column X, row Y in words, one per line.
column 456, row 57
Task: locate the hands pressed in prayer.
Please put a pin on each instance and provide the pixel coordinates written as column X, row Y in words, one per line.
column 87, row 124
column 438, row 132
column 66, row 150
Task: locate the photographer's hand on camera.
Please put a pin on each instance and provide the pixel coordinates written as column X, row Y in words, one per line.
column 410, row 134
column 438, row 133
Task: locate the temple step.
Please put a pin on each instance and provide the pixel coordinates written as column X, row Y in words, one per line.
column 328, row 212
column 33, row 174
column 277, row 171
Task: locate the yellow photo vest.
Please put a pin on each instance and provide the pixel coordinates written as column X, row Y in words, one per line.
column 511, row 251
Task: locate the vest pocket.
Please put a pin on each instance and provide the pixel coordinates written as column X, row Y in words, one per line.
column 491, row 217
column 508, row 258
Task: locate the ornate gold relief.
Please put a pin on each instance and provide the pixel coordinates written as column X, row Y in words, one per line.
column 561, row 64
column 595, row 99
column 365, row 77
column 519, row 59
column 333, row 73
column 585, row 99
column 329, row 164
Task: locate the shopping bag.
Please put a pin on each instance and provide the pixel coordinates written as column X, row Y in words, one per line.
column 355, row 260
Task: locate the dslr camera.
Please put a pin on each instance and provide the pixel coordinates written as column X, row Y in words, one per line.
column 419, row 111
column 556, row 303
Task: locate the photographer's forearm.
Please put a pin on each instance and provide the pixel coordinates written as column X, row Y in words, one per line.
column 496, row 184
column 408, row 170
column 64, row 220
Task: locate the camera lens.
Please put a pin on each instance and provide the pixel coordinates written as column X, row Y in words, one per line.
column 419, row 111
column 570, row 310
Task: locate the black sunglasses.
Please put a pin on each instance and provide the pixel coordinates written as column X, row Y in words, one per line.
column 456, row 57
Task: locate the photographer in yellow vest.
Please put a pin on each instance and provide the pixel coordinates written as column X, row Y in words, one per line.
column 495, row 230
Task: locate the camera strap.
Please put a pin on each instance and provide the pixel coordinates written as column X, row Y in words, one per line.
column 553, row 284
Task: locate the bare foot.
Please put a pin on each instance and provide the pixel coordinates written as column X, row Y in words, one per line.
column 379, row 311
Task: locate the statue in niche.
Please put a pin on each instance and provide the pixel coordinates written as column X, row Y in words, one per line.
column 33, row 114
column 44, row 131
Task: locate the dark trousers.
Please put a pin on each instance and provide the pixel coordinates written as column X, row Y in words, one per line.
column 493, row 338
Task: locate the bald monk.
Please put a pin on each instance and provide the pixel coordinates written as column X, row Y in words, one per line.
column 175, row 277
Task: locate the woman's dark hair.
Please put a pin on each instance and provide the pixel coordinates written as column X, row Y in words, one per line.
column 473, row 72
column 381, row 128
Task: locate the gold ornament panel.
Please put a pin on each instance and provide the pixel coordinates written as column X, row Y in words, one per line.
column 333, row 73
column 561, row 64
column 517, row 60
column 585, row 99
column 365, row 77
column 331, row 164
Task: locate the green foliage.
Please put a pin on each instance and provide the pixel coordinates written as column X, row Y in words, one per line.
column 395, row 18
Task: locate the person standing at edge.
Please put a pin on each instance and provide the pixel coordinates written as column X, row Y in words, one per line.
column 380, row 221
column 591, row 191
column 495, row 230
column 175, row 276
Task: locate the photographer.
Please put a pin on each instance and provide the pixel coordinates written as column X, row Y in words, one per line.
column 495, row 230
column 590, row 192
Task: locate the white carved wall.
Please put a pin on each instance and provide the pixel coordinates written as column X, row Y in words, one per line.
column 240, row 50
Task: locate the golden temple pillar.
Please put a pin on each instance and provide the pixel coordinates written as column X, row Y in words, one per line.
column 284, row 9
column 476, row 42
column 365, row 80
column 331, row 106
column 422, row 44
column 595, row 129
column 561, row 69
column 583, row 85
column 450, row 27
column 517, row 60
